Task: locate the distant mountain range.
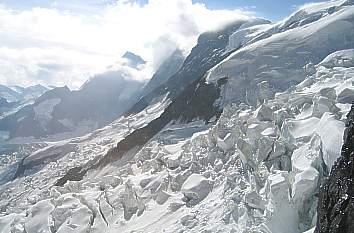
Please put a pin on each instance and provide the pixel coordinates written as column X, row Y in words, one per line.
column 245, row 134
column 19, row 94
column 61, row 113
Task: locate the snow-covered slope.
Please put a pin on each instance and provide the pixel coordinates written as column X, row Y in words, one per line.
column 255, row 169
column 20, row 94
column 53, row 159
column 242, row 148
column 279, row 59
column 60, row 113
column 35, row 120
column 14, row 98
column 168, row 68
column 211, row 49
column 9, row 94
column 248, row 32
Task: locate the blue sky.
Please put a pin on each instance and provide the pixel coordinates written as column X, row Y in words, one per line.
column 270, row 9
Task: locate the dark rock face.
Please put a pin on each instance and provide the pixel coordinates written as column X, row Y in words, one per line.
column 210, row 50
column 168, row 68
column 336, row 197
column 196, row 101
column 52, row 154
column 59, row 92
column 134, row 60
column 191, row 98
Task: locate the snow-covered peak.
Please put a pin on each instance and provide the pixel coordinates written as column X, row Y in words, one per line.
column 278, row 60
column 20, row 94
column 310, row 13
column 247, row 32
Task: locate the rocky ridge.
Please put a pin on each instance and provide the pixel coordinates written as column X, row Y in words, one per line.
column 336, row 196
column 253, row 164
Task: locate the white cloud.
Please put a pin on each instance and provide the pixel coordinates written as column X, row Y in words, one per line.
column 56, row 47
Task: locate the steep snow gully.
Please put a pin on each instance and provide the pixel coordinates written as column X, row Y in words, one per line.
column 245, row 137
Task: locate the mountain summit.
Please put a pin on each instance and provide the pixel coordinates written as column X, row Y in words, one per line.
column 134, row 60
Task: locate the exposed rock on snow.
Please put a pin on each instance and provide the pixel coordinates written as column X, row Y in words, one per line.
column 336, row 205
column 265, row 58
column 256, row 167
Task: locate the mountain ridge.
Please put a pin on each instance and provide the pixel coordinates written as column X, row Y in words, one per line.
column 239, row 139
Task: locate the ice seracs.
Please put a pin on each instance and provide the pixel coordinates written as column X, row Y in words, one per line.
column 343, row 58
column 266, row 60
column 256, row 167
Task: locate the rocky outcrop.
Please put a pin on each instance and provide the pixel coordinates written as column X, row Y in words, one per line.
column 133, row 60
column 253, row 169
column 194, row 102
column 168, row 68
column 336, row 199
column 193, row 99
column 211, row 49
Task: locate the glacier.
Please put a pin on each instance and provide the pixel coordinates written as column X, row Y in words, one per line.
column 255, row 166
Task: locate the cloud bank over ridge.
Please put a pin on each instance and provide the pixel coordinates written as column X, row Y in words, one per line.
column 55, row 46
